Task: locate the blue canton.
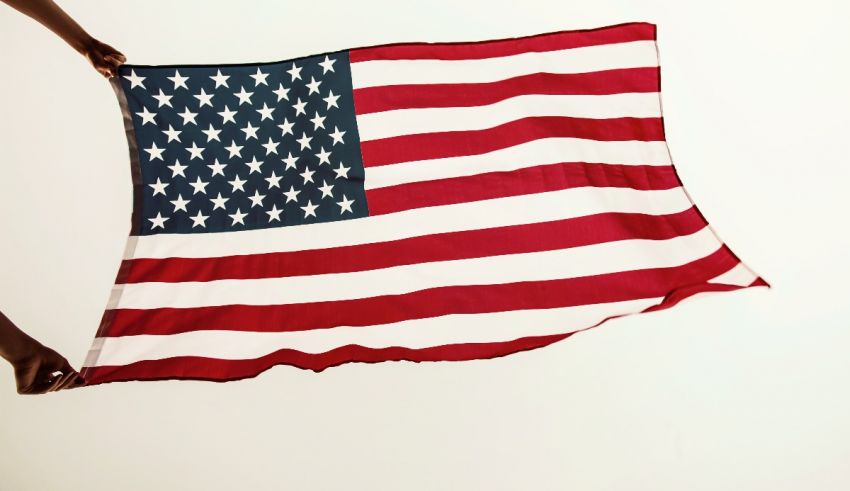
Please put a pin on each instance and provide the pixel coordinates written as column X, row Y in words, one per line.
column 238, row 147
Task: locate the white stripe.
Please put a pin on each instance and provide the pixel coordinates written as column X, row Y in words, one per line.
column 418, row 333
column 513, row 210
column 375, row 73
column 398, row 122
column 595, row 259
column 740, row 275
column 536, row 152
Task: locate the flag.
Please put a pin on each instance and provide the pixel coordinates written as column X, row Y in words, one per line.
column 419, row 201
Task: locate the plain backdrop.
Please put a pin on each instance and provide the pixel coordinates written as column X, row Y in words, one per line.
column 737, row 391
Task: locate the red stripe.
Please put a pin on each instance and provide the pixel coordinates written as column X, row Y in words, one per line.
column 626, row 80
column 636, row 31
column 433, row 302
column 212, row 369
column 528, row 180
column 437, row 145
column 515, row 239
column 760, row 282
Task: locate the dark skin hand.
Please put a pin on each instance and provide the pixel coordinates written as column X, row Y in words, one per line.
column 103, row 57
column 39, row 369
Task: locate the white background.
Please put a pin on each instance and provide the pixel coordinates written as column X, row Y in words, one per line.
column 738, row 391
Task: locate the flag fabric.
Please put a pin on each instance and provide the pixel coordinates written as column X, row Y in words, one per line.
column 419, row 201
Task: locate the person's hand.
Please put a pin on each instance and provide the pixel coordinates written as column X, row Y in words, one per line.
column 103, row 57
column 37, row 372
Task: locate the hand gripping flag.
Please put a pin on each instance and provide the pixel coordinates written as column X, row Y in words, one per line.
column 421, row 202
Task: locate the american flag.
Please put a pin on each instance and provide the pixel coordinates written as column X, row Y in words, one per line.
column 420, row 201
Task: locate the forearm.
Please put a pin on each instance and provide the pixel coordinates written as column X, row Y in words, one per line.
column 14, row 343
column 51, row 16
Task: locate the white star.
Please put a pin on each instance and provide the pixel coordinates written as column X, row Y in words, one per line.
column 265, row 112
column 307, row 175
column 237, row 184
column 188, row 116
column 326, row 189
column 250, row 131
column 199, row 185
column 292, row 194
column 135, row 81
column 324, row 157
column 310, row 209
column 244, row 96
column 238, row 217
column 159, row 187
column 257, row 199
column 299, row 107
column 304, row 141
column 294, row 72
column 178, row 80
column 274, row 180
column 313, row 85
column 337, row 136
column 204, row 99
column 180, row 203
column 286, row 127
column 199, row 219
column 254, row 165
column 212, row 134
column 274, row 214
column 318, row 121
column 227, row 115
column 271, row 146
column 282, row 93
column 234, row 149
column 217, row 168
column 327, row 65
column 159, row 221
column 290, row 161
column 331, row 99
column 147, row 116
column 219, row 202
column 196, row 151
column 154, row 152
column 162, row 99
column 260, row 78
column 342, row 171
column 345, row 205
column 220, row 79
column 177, row 168
column 172, row 134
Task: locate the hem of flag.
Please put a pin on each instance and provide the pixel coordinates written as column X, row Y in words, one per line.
column 135, row 219
column 759, row 279
column 217, row 370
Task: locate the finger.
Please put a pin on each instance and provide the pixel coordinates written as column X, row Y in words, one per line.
column 33, row 389
column 49, row 378
column 117, row 57
column 39, row 387
column 69, row 382
column 112, row 69
column 58, row 383
column 78, row 382
column 65, row 371
column 72, row 375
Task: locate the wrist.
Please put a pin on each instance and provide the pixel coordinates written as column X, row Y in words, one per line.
column 18, row 346
column 82, row 44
